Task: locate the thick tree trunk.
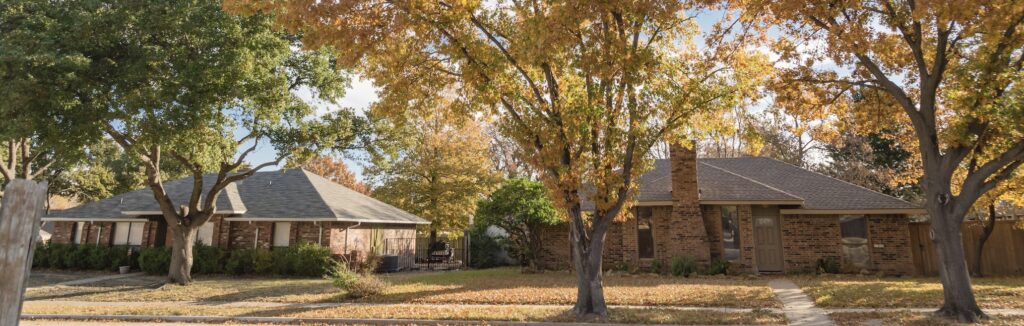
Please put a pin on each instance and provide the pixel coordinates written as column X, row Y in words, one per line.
column 181, row 254
column 586, row 258
column 958, row 297
column 985, row 233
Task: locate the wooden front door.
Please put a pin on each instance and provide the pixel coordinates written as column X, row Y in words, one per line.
column 767, row 239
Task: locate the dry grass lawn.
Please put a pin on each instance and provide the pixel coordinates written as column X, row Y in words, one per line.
column 874, row 292
column 492, row 286
column 912, row 319
column 454, row 312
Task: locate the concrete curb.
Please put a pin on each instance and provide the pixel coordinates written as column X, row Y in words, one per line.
column 294, row 320
column 323, row 305
column 994, row 311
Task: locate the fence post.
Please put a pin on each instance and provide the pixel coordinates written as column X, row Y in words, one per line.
column 20, row 211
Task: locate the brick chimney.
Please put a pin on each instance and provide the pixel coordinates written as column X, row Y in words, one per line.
column 687, row 233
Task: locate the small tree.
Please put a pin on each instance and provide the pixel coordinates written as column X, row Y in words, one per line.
column 521, row 207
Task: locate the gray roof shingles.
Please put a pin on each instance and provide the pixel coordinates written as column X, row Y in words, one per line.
column 291, row 194
column 760, row 179
column 818, row 191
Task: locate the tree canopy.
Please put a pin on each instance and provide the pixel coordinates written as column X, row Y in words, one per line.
column 440, row 174
column 183, row 83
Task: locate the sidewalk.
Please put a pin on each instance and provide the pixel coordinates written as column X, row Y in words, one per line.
column 799, row 308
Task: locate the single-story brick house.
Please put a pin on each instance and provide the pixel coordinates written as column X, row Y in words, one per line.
column 269, row 209
column 762, row 215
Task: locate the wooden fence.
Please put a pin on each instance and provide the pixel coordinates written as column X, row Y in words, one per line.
column 1003, row 255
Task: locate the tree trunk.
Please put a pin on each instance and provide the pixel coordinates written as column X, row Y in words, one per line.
column 958, row 297
column 985, row 233
column 181, row 254
column 587, row 260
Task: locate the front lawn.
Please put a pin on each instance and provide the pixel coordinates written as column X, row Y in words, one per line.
column 451, row 312
column 491, row 286
column 912, row 319
column 874, row 292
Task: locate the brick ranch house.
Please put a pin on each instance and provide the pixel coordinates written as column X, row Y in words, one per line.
column 267, row 210
column 762, row 215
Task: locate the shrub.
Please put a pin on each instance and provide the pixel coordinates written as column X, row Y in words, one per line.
column 369, row 264
column 207, row 259
column 485, row 249
column 41, row 255
column 313, row 260
column 75, row 257
column 262, row 262
column 240, row 262
column 357, row 286
column 155, row 260
column 828, row 265
column 97, row 258
column 122, row 256
column 683, row 266
column 656, row 266
column 283, row 259
column 718, row 266
column 55, row 255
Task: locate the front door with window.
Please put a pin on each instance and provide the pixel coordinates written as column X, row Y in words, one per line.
column 767, row 239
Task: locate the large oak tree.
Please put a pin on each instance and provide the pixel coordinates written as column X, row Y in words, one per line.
column 951, row 70
column 585, row 88
column 184, row 82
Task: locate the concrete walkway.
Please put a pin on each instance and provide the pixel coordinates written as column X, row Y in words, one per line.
column 88, row 280
column 799, row 308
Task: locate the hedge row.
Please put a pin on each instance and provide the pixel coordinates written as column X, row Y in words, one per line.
column 302, row 260
column 90, row 257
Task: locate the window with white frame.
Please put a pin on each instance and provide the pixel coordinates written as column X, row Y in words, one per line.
column 282, row 230
column 129, row 233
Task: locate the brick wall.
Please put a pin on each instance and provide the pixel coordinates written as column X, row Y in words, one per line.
column 807, row 238
column 889, row 243
column 63, row 231
column 555, row 252
column 244, row 234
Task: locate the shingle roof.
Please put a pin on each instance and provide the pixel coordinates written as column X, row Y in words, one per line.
column 286, row 194
column 818, row 191
column 760, row 179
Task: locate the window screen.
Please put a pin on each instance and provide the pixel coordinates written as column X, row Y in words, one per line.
column 77, row 232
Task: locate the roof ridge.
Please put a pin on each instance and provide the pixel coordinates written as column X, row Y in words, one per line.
column 749, row 179
column 838, row 179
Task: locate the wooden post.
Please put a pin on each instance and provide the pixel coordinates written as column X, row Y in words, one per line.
column 21, row 209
